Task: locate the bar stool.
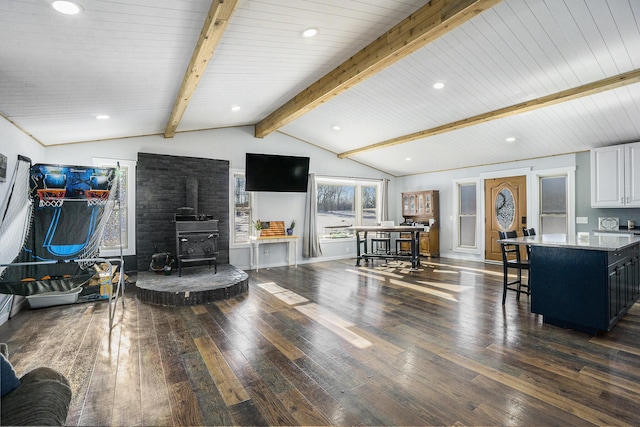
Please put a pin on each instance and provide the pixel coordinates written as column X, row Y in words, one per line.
column 528, row 232
column 399, row 241
column 382, row 241
column 508, row 251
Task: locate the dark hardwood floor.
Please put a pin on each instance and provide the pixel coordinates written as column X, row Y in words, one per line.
column 330, row 343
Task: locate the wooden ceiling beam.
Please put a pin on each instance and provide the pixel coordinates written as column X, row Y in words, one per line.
column 214, row 25
column 428, row 23
column 588, row 89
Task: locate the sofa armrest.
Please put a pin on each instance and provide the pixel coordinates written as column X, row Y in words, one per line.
column 42, row 398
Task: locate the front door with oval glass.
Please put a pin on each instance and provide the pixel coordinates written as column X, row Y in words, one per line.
column 505, row 209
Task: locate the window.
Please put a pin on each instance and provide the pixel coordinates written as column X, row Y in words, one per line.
column 111, row 235
column 467, row 215
column 465, row 212
column 554, row 201
column 553, row 205
column 121, row 224
column 241, row 209
column 345, row 202
column 369, row 205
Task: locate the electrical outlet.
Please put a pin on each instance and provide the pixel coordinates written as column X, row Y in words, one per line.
column 348, row 249
column 266, row 251
column 582, row 220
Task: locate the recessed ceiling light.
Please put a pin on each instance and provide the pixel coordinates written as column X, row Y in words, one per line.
column 438, row 85
column 310, row 32
column 408, row 159
column 102, row 117
column 336, row 127
column 235, row 108
column 510, row 139
column 66, row 7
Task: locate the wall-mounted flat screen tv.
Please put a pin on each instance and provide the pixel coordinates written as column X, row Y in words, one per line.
column 268, row 172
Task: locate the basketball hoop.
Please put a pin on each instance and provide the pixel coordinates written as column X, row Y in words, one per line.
column 51, row 197
column 97, row 197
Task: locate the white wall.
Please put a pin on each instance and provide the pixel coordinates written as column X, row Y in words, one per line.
column 232, row 144
column 443, row 181
column 13, row 142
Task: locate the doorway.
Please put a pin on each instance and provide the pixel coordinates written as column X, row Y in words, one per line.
column 505, row 209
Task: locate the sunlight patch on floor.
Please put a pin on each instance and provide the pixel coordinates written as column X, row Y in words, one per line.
column 283, row 294
column 373, row 276
column 326, row 318
column 446, row 271
column 424, row 290
column 377, row 274
column 468, row 273
column 447, row 286
column 478, row 270
column 334, row 323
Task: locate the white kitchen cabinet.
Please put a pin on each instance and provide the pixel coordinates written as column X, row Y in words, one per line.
column 615, row 176
column 632, row 175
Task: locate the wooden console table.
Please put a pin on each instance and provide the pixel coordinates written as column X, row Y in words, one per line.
column 262, row 240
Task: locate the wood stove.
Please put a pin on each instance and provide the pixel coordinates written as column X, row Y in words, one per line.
column 196, row 240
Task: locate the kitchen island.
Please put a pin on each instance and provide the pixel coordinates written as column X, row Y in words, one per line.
column 583, row 283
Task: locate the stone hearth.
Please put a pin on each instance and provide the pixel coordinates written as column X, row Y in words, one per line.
column 198, row 285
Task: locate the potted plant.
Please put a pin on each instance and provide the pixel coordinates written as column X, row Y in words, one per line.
column 291, row 227
column 257, row 225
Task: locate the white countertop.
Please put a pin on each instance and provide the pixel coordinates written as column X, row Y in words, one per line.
column 620, row 231
column 601, row 242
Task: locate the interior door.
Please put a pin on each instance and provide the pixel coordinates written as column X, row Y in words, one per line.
column 505, row 209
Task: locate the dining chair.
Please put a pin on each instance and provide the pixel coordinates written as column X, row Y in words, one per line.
column 381, row 243
column 511, row 259
column 403, row 244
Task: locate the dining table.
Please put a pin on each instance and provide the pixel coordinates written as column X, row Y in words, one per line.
column 362, row 246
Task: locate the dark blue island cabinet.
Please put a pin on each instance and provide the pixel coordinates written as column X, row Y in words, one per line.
column 585, row 289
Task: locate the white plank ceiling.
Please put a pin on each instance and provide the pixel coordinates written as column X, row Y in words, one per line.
column 127, row 59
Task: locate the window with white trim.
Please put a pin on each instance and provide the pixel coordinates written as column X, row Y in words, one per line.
column 465, row 211
column 553, row 204
column 241, row 209
column 343, row 202
column 467, row 215
column 120, row 228
column 553, row 201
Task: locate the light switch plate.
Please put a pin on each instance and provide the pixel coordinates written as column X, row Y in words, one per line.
column 582, row 220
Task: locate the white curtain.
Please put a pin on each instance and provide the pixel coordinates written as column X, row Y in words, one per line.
column 310, row 240
column 384, row 198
